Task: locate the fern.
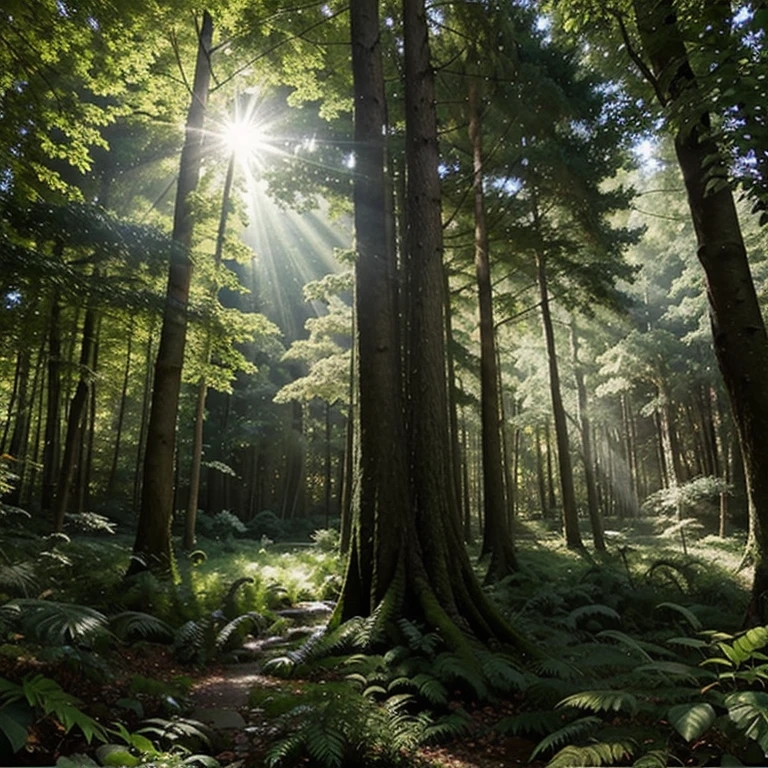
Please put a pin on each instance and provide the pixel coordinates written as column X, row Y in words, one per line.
column 42, row 693
column 602, row 701
column 246, row 622
column 569, row 732
column 601, row 753
column 591, row 611
column 417, row 639
column 132, row 624
column 18, row 578
column 52, row 623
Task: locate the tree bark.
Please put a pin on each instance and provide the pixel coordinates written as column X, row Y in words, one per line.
column 152, row 548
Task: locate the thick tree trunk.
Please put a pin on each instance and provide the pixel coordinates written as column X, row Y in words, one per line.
column 380, row 490
column 497, row 538
column 570, row 513
column 738, row 329
column 421, row 569
column 152, row 548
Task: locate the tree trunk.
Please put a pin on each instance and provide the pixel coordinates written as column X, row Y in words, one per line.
column 190, row 520
column 570, row 513
column 121, row 414
column 497, row 538
column 145, row 403
column 75, row 420
column 152, row 548
column 586, row 444
column 380, row 490
column 52, row 435
column 421, row 569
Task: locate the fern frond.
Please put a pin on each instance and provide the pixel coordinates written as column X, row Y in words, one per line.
column 244, row 623
column 569, row 732
column 325, row 742
column 53, row 623
column 448, row 727
column 18, row 578
column 602, row 701
column 557, row 667
column 686, row 613
column 132, row 624
column 284, row 749
column 593, row 755
column 449, row 667
column 656, row 758
column 502, row 672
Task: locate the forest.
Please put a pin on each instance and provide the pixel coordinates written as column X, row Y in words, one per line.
column 380, row 383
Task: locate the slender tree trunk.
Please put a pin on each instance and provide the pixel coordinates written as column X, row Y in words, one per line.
column 570, row 513
column 121, row 414
column 152, row 548
column 586, row 444
column 497, row 538
column 452, row 407
column 52, row 407
column 145, row 403
column 75, row 420
column 190, row 520
column 541, row 477
column 21, row 357
column 86, row 465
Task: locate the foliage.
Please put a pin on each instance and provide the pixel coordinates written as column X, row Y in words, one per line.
column 41, row 694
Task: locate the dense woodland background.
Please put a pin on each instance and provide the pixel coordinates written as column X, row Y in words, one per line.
column 433, row 285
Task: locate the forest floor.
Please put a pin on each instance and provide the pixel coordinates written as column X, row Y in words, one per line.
column 223, row 694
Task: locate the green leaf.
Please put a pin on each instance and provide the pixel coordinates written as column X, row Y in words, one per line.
column 748, row 710
column 116, row 755
column 691, row 720
column 13, row 730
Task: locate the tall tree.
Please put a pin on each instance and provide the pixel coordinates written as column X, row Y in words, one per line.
column 497, row 536
column 738, row 329
column 421, row 568
column 152, row 547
